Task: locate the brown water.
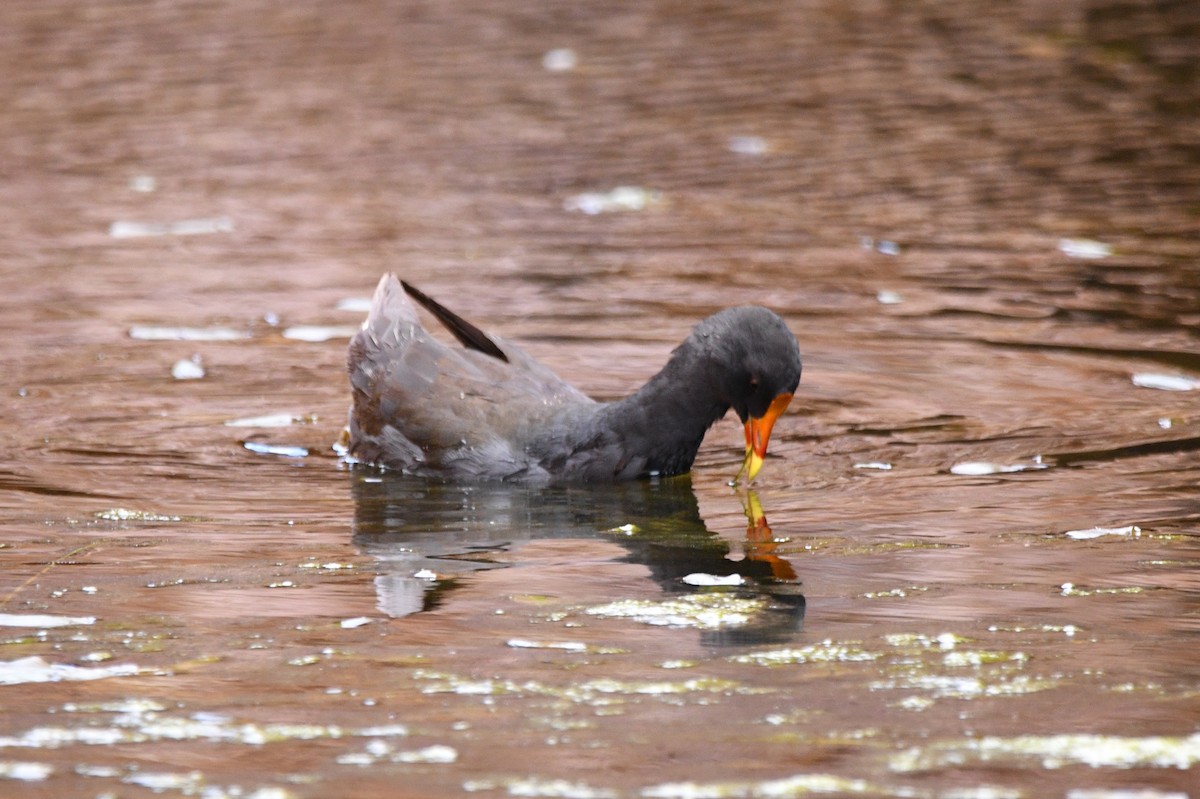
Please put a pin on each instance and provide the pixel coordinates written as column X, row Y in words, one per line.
column 913, row 186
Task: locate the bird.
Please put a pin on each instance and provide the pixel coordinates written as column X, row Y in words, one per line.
column 488, row 411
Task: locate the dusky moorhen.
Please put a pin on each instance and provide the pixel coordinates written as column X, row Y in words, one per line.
column 489, row 411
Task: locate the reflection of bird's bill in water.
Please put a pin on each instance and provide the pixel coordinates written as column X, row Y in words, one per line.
column 760, row 540
column 426, row 536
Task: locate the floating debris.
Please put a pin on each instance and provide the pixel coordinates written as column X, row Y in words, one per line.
column 700, row 579
column 42, row 621
column 355, row 304
column 357, row 621
column 184, row 227
column 380, row 751
column 825, row 652
column 1070, row 589
column 284, row 450
column 1097, row 532
column 880, row 465
column 34, row 669
column 173, row 333
column 25, row 772
column 1087, row 249
column 705, row 611
column 272, row 420
column 330, row 566
column 895, row 593
column 1123, row 793
column 560, row 59
column 535, row 786
column 1056, row 751
column 187, row 369
column 978, row 468
column 189, row 784
column 144, row 184
column 569, row 646
column 747, row 145
column 943, row 641
column 622, row 198
column 949, row 686
column 127, row 515
column 799, row 785
column 882, row 246
column 1165, row 382
column 319, row 333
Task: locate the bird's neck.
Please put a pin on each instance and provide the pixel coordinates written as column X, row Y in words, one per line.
column 666, row 419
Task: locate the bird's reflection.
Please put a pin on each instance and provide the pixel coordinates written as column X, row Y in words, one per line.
column 427, row 536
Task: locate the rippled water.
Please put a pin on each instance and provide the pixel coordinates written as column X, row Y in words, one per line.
column 968, row 569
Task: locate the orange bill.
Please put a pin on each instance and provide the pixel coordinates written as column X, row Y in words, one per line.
column 758, row 433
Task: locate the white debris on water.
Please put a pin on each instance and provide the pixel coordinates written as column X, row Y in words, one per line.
column 979, row 468
column 539, row 787
column 177, row 333
column 355, row 304
column 708, row 580
column 1055, row 751
column 319, row 333
column 879, row 465
column 25, row 771
column 747, row 145
column 144, row 184
column 1097, row 532
column 560, row 59
column 283, row 450
column 42, row 621
column 622, row 198
column 272, row 420
column 568, row 646
column 798, row 785
column 187, row 369
column 1123, row 793
column 705, row 611
column 1164, row 382
column 34, row 669
column 184, row 227
column 1087, row 249
column 377, row 751
column 827, row 651
column 131, row 515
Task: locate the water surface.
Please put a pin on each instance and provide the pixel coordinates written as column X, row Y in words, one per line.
column 968, row 568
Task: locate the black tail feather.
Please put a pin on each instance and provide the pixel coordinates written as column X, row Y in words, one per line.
column 468, row 335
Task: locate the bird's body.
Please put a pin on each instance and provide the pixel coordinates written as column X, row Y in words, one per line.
column 489, row 411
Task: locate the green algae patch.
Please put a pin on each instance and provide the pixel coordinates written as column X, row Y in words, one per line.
column 708, row 611
column 138, row 721
column 941, row 667
column 1055, row 751
column 944, row 686
column 597, row 692
column 133, row 515
column 825, row 652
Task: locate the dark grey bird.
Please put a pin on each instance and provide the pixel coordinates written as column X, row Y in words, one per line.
column 489, row 411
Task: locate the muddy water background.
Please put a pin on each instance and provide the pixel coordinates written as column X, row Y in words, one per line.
column 908, row 631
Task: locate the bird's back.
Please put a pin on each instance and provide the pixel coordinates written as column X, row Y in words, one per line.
column 427, row 408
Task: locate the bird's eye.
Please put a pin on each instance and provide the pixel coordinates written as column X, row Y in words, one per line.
column 754, row 381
